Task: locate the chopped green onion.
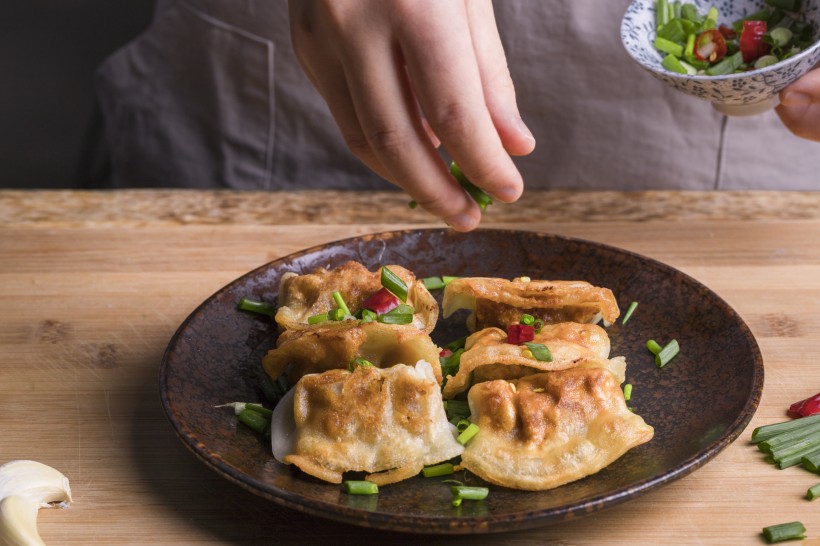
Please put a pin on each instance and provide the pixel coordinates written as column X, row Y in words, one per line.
column 259, row 307
column 540, row 351
column 811, row 462
column 529, row 320
column 670, row 47
column 628, row 392
column 456, row 344
column 394, row 284
column 316, row 319
column 669, row 352
column 254, row 420
column 672, row 64
column 360, row 487
column 450, row 364
column 539, row 325
column 443, row 469
column 784, row 438
column 456, row 408
column 341, row 303
column 336, row 314
column 413, row 204
column 653, row 346
column 393, row 318
column 765, row 432
column 728, row 65
column 368, row 315
column 358, row 362
column 813, row 492
column 467, row 434
column 259, row 408
column 482, row 199
column 764, row 61
column 629, row 311
column 433, row 283
column 465, row 492
column 463, row 424
column 784, row 531
column 447, row 280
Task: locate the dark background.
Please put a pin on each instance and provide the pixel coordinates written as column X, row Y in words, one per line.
column 49, row 50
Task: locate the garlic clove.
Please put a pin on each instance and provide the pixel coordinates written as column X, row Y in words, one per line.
column 25, row 487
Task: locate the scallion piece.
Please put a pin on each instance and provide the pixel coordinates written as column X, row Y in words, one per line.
column 443, row 469
column 456, row 408
column 394, row 318
column 629, row 311
column 447, row 280
column 368, row 315
column 363, row 362
column 813, row 492
column 628, row 392
column 765, row 432
column 467, row 434
column 317, row 319
column 259, row 307
column 254, row 420
column 482, row 199
column 394, row 284
column 466, row 492
column 456, row 344
column 540, row 351
column 653, row 346
column 669, row 351
column 360, row 487
column 433, row 283
column 784, row 531
column 341, row 303
column 259, row 408
column 811, row 462
column 336, row 314
column 529, row 320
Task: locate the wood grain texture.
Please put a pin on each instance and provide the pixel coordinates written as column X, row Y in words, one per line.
column 89, row 300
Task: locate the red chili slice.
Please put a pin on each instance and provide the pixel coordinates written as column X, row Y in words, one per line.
column 752, row 46
column 727, row 32
column 381, row 302
column 520, row 333
column 806, row 407
column 710, row 46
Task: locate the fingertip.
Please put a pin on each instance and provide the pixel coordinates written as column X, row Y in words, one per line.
column 520, row 141
column 509, row 194
column 463, row 222
column 794, row 99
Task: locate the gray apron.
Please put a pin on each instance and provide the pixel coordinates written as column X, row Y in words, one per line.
column 211, row 96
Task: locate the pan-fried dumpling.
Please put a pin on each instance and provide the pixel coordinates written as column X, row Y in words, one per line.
column 302, row 296
column 488, row 356
column 551, row 428
column 322, row 348
column 387, row 422
column 499, row 302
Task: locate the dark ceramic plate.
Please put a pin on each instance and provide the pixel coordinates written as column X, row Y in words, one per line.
column 698, row 404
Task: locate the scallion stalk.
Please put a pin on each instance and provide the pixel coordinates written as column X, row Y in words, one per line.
column 784, row 531
column 433, row 283
column 539, row 351
column 813, row 492
column 669, row 351
column 317, row 319
column 482, row 198
column 360, row 487
column 629, row 311
column 394, row 284
column 628, row 392
column 765, row 432
column 337, row 296
column 467, row 434
column 443, row 469
column 653, row 346
column 258, row 307
column 466, row 492
column 254, row 420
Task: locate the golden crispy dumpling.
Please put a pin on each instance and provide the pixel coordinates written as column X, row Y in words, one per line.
column 300, row 352
column 488, row 356
column 499, row 302
column 388, row 422
column 302, row 296
column 551, row 428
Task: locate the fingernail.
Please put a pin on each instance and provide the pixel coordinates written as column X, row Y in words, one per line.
column 795, row 98
column 507, row 195
column 461, row 222
column 523, row 129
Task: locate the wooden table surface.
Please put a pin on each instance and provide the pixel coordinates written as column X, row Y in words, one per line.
column 93, row 285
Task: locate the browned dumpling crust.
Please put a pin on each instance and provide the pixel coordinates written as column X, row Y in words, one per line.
column 302, row 296
column 488, row 356
column 551, row 428
column 322, row 348
column 386, row 422
column 500, row 302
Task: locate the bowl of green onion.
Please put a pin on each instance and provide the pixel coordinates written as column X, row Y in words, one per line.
column 737, row 54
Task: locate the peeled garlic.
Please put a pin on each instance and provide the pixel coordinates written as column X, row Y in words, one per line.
column 25, row 487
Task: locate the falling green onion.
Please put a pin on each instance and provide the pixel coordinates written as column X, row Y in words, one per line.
column 317, row 319
column 394, row 284
column 360, row 487
column 443, row 469
column 465, row 492
column 784, row 531
column 527, row 319
column 629, row 311
column 653, row 346
column 467, row 434
column 433, row 283
column 259, row 307
column 540, row 351
column 341, row 303
column 628, row 392
column 669, row 351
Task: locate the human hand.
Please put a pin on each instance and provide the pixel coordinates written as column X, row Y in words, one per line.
column 799, row 108
column 399, row 75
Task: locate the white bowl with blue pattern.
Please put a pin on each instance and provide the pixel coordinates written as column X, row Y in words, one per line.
column 748, row 93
